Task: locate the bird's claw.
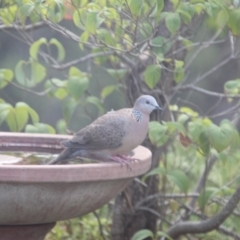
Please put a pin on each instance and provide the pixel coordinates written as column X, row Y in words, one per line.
column 121, row 161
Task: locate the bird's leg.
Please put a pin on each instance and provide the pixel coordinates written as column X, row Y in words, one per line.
column 128, row 158
column 120, row 160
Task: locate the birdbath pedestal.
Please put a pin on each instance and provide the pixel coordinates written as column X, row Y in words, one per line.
column 34, row 197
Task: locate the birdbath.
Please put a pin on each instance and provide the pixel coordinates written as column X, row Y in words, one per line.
column 34, row 197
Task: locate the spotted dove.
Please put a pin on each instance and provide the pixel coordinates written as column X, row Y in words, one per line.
column 111, row 136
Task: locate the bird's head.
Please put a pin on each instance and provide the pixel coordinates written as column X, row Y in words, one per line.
column 146, row 104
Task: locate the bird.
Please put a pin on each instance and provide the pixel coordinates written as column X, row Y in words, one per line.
column 111, row 136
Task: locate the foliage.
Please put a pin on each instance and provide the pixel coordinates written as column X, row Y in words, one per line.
column 124, row 40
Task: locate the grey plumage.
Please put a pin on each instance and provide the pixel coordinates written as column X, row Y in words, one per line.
column 112, row 134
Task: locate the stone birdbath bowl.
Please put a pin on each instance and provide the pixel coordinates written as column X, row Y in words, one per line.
column 34, row 197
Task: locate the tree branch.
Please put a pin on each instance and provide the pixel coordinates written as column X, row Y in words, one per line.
column 206, row 225
column 82, row 59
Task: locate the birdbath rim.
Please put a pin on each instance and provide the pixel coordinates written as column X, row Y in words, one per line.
column 64, row 173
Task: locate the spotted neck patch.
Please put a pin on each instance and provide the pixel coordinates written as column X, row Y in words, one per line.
column 137, row 115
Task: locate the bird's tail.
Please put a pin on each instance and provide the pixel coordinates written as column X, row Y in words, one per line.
column 62, row 158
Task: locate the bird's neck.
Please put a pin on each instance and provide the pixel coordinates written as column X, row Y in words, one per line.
column 137, row 114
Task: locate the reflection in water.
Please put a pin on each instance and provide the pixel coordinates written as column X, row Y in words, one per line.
column 33, row 158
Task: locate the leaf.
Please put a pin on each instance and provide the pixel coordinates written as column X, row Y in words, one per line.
column 136, row 7
column 117, row 73
column 178, row 73
column 155, row 171
column 232, row 87
column 61, row 126
column 61, row 50
column 222, row 18
column 180, row 179
column 33, row 114
column 195, row 129
column 188, row 111
column 91, row 22
column 142, row 234
column 233, row 21
column 152, row 75
column 220, row 137
column 5, row 108
column 203, row 142
column 205, row 195
column 11, row 120
column 39, row 128
column 21, row 112
column 6, row 76
column 173, row 22
column 173, row 126
column 107, row 91
column 73, row 71
column 34, row 49
column 68, row 108
column 163, row 234
column 96, row 101
column 79, row 17
column 77, row 86
column 157, row 133
column 38, row 72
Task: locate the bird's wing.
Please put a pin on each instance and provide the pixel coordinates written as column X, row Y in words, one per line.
column 106, row 132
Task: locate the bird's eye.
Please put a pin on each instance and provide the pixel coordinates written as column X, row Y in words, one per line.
column 147, row 102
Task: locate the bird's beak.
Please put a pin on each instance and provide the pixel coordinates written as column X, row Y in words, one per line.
column 158, row 108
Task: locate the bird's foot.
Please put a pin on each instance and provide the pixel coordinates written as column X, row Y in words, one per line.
column 128, row 158
column 121, row 160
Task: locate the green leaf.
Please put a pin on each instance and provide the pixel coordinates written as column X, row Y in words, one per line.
column 61, row 126
column 158, row 133
column 21, row 112
column 107, row 91
column 39, row 128
column 11, row 120
column 155, row 171
column 79, row 18
column 152, row 75
column 91, row 22
column 5, row 108
column 205, row 195
column 34, row 49
column 73, row 71
column 163, row 234
column 61, row 50
column 222, row 18
column 117, row 73
column 77, row 86
column 188, row 111
column 232, row 87
column 233, row 21
column 33, row 114
column 160, row 45
column 221, row 137
column 38, row 72
column 69, row 107
column 173, row 22
column 203, row 142
column 195, row 129
column 6, row 76
column 107, row 37
column 136, row 7
column 142, row 234
column 173, row 126
column 179, row 178
column 96, row 101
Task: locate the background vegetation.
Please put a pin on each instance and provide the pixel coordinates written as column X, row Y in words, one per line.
column 64, row 63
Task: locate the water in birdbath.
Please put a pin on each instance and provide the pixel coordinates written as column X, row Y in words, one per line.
column 32, row 158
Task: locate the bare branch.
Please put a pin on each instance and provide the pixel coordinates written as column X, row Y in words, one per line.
column 206, row 225
column 82, row 59
column 206, row 92
column 24, row 28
